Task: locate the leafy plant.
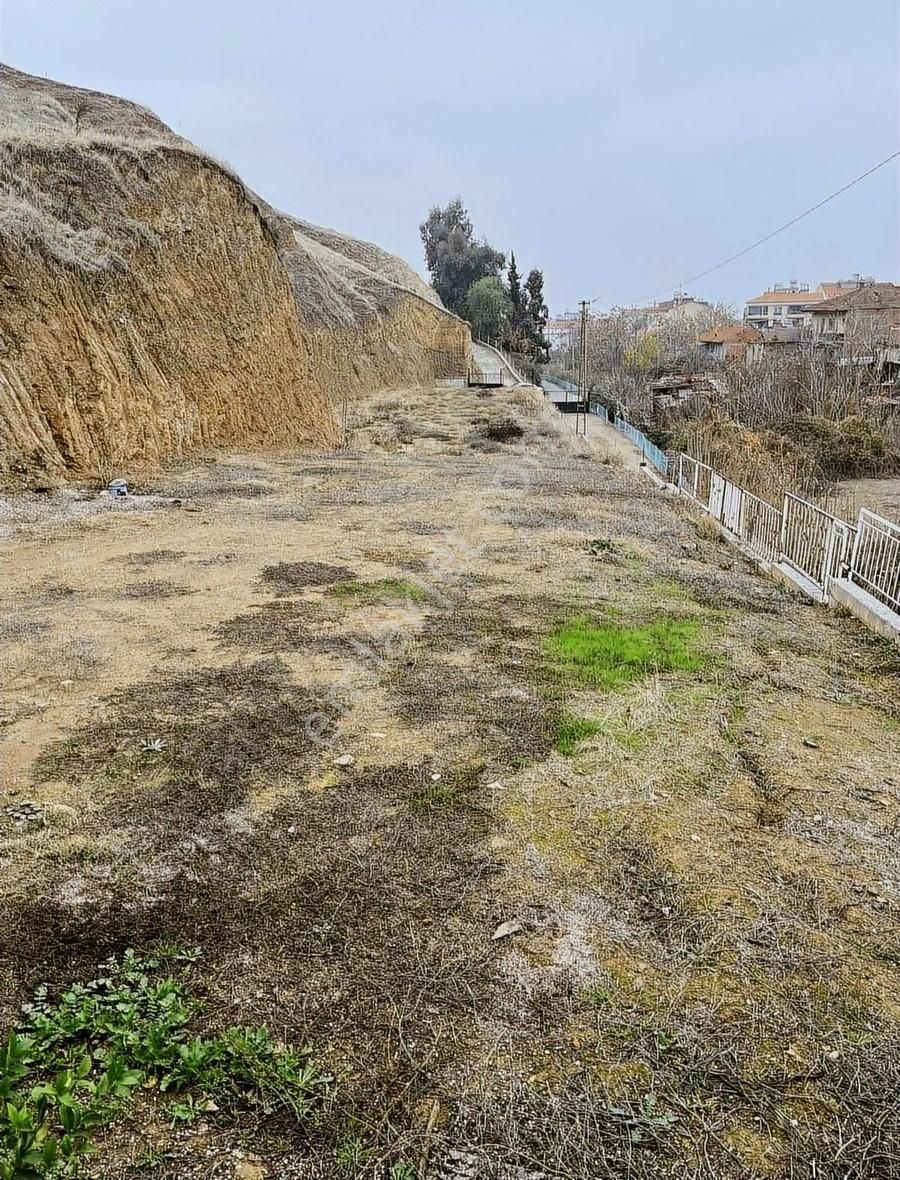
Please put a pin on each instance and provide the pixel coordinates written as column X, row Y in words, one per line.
column 402, row 1171
column 74, row 1063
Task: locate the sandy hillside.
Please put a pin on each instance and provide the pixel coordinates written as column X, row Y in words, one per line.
column 561, row 841
column 151, row 305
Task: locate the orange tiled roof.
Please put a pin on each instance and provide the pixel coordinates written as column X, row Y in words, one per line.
column 870, row 296
column 792, row 297
column 730, row 334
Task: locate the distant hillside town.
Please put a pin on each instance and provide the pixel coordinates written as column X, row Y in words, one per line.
column 855, row 320
column 805, row 379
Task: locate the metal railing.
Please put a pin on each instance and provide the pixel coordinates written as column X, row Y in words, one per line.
column 752, row 520
column 649, row 450
column 486, row 378
column 814, row 542
column 800, row 535
column 875, row 560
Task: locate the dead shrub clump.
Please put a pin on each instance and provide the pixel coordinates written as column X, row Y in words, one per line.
column 290, row 576
column 502, row 428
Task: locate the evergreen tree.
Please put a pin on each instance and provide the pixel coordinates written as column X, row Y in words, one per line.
column 515, row 289
column 455, row 258
column 535, row 317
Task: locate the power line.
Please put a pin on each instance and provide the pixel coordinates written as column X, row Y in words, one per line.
column 787, row 225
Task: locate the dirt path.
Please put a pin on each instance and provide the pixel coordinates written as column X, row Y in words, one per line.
column 567, row 710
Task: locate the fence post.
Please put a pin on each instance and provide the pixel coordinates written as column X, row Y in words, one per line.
column 782, row 540
column 851, row 568
column 828, row 558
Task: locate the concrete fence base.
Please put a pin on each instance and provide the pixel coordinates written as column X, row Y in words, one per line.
column 876, row 616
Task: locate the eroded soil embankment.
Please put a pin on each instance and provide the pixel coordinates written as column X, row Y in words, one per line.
column 192, row 338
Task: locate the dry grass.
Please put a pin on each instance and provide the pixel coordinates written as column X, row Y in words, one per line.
column 703, row 976
column 290, row 576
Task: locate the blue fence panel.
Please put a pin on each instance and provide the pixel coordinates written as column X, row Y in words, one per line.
column 649, row 450
column 563, row 384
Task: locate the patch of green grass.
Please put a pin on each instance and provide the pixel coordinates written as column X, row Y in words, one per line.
column 628, row 739
column 382, row 590
column 73, row 1065
column 612, row 654
column 571, row 731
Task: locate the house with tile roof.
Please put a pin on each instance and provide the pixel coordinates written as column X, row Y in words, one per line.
column 728, row 341
column 861, row 321
column 787, row 305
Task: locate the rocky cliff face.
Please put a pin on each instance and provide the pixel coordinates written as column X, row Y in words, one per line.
column 150, row 304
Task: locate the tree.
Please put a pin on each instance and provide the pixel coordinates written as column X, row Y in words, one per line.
column 456, row 260
column 515, row 289
column 535, row 316
column 489, row 308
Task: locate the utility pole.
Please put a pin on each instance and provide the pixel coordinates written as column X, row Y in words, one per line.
column 581, row 407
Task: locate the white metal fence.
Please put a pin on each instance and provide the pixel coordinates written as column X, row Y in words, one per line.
column 814, row 542
column 803, row 536
column 875, row 560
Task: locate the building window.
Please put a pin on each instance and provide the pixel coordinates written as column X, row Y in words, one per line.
column 757, row 310
column 796, row 309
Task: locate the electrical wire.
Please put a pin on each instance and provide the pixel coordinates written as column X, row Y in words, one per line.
column 787, row 225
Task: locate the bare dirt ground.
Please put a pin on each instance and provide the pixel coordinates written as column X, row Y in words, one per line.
column 702, row 972
column 879, row 495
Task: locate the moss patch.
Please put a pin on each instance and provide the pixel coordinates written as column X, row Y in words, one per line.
column 612, row 654
column 382, row 590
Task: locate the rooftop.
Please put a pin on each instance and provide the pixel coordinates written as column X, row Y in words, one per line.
column 730, row 334
column 870, row 297
column 799, row 298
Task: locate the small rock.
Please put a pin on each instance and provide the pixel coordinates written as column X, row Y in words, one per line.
column 810, row 743
column 344, row 760
column 505, row 929
column 244, row 1170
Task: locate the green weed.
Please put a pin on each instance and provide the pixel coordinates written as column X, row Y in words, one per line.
column 610, row 654
column 383, row 590
column 72, row 1065
column 571, row 731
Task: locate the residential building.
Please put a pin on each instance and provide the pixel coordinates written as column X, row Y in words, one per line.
column 784, row 306
column 861, row 321
column 728, row 341
column 560, row 330
column 680, row 306
column 788, row 305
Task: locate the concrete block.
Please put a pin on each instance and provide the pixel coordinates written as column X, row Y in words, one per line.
column 859, row 602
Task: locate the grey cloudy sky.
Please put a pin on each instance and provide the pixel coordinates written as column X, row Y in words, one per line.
column 621, row 147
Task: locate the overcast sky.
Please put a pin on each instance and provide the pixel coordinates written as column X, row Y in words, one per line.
column 622, row 147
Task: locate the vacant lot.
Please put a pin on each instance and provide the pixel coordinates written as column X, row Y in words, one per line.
column 564, row 843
